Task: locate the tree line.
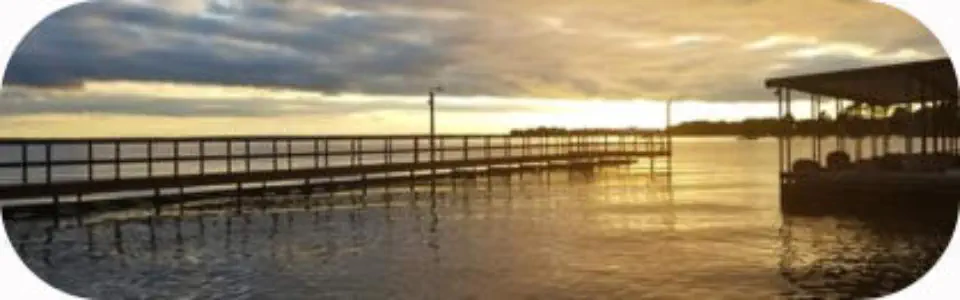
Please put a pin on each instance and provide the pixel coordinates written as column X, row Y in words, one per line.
column 853, row 121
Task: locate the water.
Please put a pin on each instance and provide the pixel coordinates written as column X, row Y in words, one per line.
column 713, row 231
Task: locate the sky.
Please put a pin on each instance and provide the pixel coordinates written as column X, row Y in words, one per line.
column 182, row 67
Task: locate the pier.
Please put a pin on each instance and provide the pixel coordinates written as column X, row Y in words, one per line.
column 81, row 173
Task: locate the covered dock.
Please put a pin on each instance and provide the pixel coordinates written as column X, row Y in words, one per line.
column 890, row 131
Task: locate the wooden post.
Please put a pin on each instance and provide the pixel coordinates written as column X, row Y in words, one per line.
column 246, row 155
column 24, row 168
column 47, row 149
column 442, row 149
column 353, row 152
column 837, row 123
column 326, row 153
column 466, row 147
column 488, row 153
column 116, row 160
column 316, row 153
column 229, row 156
column 289, row 154
column 89, row 160
column 176, row 159
column 203, row 155
column 606, row 143
column 874, row 151
column 275, row 154
column 815, row 119
column 386, row 151
column 789, row 133
column 886, row 132
column 359, row 142
column 149, row 158
column 416, row 151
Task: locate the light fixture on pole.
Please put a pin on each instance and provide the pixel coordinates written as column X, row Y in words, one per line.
column 433, row 122
column 433, row 143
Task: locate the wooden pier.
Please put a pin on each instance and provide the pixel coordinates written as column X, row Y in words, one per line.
column 58, row 172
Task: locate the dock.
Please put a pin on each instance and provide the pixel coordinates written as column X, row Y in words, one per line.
column 894, row 145
column 79, row 174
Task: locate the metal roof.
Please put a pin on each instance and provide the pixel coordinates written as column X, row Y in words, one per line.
column 880, row 85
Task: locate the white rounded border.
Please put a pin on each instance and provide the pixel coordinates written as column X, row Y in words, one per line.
column 19, row 16
column 939, row 17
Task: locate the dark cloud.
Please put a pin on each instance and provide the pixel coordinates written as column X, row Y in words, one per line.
column 568, row 49
column 332, row 55
column 20, row 101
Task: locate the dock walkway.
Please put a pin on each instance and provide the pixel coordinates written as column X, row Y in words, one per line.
column 50, row 170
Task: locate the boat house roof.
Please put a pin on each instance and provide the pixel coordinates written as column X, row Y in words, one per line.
column 880, row 85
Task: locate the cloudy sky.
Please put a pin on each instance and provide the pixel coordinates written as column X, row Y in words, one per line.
column 525, row 62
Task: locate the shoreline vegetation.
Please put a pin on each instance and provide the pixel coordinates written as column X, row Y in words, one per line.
column 854, row 122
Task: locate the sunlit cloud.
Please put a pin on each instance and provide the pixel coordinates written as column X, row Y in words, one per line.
column 695, row 39
column 780, row 40
column 855, row 50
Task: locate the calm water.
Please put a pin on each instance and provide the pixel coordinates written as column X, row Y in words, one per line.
column 713, row 231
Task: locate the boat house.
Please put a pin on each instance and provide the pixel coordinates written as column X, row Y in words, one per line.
column 872, row 137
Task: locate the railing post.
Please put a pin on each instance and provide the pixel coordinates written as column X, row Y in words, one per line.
column 466, row 155
column 149, row 158
column 360, row 152
column 89, row 160
column 606, row 142
column 386, row 150
column 523, row 145
column 47, row 162
column 316, row 153
column 24, row 167
column 229, row 156
column 203, row 155
column 486, row 147
column 353, row 152
column 326, row 153
column 176, row 159
column 416, row 151
column 246, row 155
column 289, row 154
column 275, row 155
column 116, row 160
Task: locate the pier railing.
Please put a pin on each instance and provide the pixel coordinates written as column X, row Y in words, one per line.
column 54, row 164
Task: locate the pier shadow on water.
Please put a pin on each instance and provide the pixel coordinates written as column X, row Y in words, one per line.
column 556, row 235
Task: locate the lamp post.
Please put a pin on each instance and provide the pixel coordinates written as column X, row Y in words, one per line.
column 433, row 139
column 433, row 122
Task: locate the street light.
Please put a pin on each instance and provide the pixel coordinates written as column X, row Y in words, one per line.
column 433, row 123
column 433, row 143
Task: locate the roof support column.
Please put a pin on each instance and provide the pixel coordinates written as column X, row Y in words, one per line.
column 857, row 132
column 779, row 94
column 815, row 120
column 886, row 130
column 838, row 124
column 870, row 130
column 789, row 133
column 926, row 122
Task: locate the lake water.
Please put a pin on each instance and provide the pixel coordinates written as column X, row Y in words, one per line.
column 712, row 230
